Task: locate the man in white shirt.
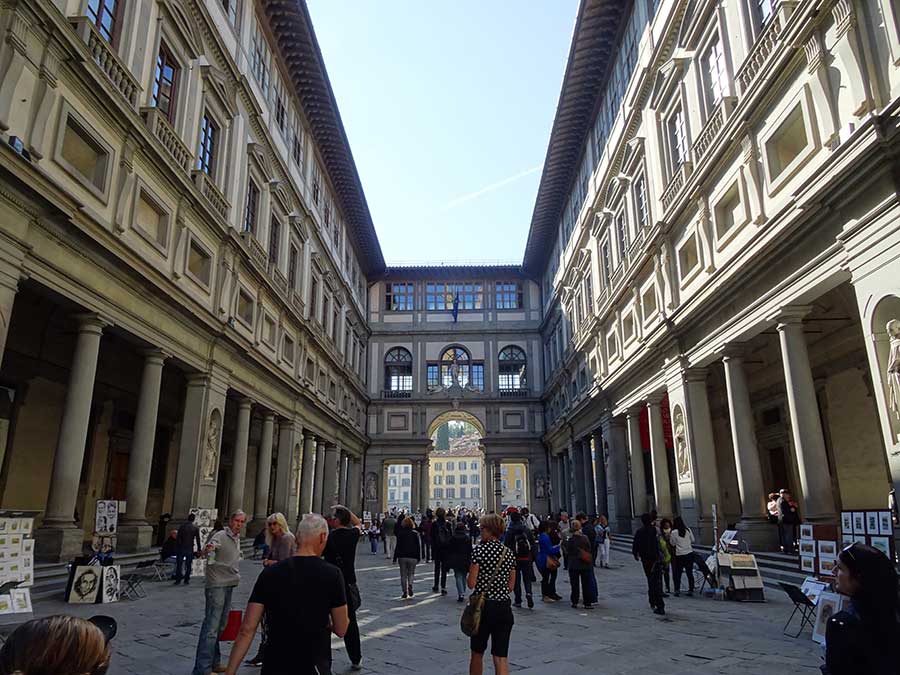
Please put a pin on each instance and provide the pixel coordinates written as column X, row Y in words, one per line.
column 532, row 522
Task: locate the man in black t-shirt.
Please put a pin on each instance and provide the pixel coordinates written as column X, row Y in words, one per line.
column 304, row 601
column 341, row 551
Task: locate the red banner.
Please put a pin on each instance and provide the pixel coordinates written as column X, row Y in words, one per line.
column 666, row 422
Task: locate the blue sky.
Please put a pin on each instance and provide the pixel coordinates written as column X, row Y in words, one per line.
column 448, row 108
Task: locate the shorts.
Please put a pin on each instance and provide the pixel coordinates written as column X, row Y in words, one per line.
column 496, row 625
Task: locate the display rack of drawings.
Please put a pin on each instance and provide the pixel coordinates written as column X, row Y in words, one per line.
column 873, row 528
column 205, row 519
column 737, row 572
column 94, row 583
column 16, row 561
column 106, row 525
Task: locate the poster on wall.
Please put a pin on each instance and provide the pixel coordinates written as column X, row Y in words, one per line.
column 106, row 518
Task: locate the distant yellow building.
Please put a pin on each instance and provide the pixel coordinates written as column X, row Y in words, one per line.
column 456, row 478
column 514, row 485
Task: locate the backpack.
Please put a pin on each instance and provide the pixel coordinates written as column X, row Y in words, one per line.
column 522, row 546
column 441, row 534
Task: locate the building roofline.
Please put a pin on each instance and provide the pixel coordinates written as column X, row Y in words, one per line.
column 292, row 26
column 593, row 44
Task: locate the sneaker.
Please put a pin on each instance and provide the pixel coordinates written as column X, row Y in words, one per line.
column 557, row 597
column 517, row 604
column 255, row 662
column 355, row 666
column 460, row 599
column 530, row 601
column 443, row 591
column 410, row 591
column 588, row 606
column 660, row 611
column 547, row 598
column 434, row 589
column 404, row 597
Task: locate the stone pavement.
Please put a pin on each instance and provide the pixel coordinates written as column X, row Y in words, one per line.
column 158, row 635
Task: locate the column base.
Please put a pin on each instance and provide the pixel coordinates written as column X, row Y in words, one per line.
column 622, row 525
column 134, row 537
column 257, row 525
column 759, row 533
column 58, row 543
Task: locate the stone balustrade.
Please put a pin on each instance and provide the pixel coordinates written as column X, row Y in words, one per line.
column 765, row 45
column 160, row 127
column 211, row 191
column 106, row 58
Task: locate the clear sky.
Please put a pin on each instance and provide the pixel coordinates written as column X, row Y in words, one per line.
column 448, row 107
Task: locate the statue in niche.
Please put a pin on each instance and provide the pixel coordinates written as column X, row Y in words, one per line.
column 454, row 372
column 211, row 449
column 371, row 487
column 682, row 462
column 539, row 489
column 893, row 369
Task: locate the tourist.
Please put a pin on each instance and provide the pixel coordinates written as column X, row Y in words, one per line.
column 459, row 557
column 591, row 535
column 521, row 542
column 604, row 538
column 580, row 566
column 531, row 521
column 408, row 553
column 665, row 549
column 547, row 562
column 645, row 548
column 388, row 527
column 790, row 521
column 223, row 554
column 492, row 573
column 340, row 551
column 682, row 540
column 865, row 636
column 280, row 545
column 56, row 645
column 425, row 531
column 188, row 536
column 474, row 528
column 304, row 600
column 440, row 539
column 373, row 536
column 169, row 550
column 772, row 507
column 563, row 529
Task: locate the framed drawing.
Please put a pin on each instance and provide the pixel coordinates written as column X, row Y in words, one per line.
column 198, row 567
column 883, row 544
column 806, row 531
column 21, row 600
column 847, row 522
column 872, row 523
column 26, row 525
column 6, row 606
column 827, row 549
column 860, row 539
column 111, row 575
column 859, row 522
column 808, row 564
column 829, row 604
column 807, row 547
column 85, row 584
column 106, row 517
column 846, row 540
column 812, row 588
column 885, row 525
column 826, row 566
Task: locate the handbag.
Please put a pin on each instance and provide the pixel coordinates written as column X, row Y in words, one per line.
column 470, row 621
column 235, row 616
column 354, row 599
column 552, row 563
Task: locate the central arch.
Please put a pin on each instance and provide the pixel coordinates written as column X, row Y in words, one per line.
column 456, row 416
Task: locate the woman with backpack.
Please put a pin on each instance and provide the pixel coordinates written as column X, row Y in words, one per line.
column 682, row 540
column 519, row 540
column 548, row 561
column 604, row 537
column 407, row 553
column 440, row 539
column 580, row 565
column 459, row 557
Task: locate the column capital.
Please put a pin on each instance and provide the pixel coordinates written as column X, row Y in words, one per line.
column 154, row 355
column 635, row 410
column 245, row 403
column 733, row 351
column 695, row 374
column 789, row 315
column 91, row 322
column 268, row 416
column 654, row 400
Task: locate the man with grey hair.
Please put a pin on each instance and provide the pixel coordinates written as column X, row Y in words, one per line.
column 223, row 555
column 304, row 600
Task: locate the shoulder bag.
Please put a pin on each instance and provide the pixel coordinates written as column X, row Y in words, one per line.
column 470, row 621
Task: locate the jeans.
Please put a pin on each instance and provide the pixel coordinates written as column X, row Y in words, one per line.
column 407, row 572
column 684, row 563
column 653, row 572
column 374, row 542
column 524, row 571
column 426, row 546
column 666, row 575
column 603, row 552
column 460, row 577
column 390, row 543
column 186, row 559
column 548, row 582
column 440, row 573
column 582, row 578
column 218, row 604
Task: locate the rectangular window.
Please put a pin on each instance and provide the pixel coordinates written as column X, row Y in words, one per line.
column 432, row 378
column 104, row 14
column 622, row 234
column 230, row 9
column 451, row 493
column 765, row 10
column 314, row 298
column 648, row 302
column 84, row 155
column 607, row 262
column 729, row 211
column 206, row 153
column 334, row 325
column 287, row 349
column 473, row 479
column 688, row 257
column 788, row 141
column 588, row 294
column 252, row 207
column 316, row 184
column 274, row 241
column 297, row 147
column 259, row 59
column 451, row 466
column 508, row 295
column 677, row 139
column 441, row 296
column 640, row 201
column 165, row 81
column 280, row 110
column 478, row 376
column 715, row 74
column 399, row 297
column 463, row 479
column 293, row 255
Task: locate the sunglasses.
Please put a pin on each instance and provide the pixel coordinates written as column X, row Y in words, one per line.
column 849, row 551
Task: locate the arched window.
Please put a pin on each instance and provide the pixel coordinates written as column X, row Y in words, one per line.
column 398, row 370
column 512, row 369
column 460, row 357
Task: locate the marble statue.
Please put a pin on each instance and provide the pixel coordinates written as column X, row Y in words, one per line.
column 454, row 373
column 211, row 450
column 682, row 462
column 539, row 491
column 893, row 369
column 371, row 487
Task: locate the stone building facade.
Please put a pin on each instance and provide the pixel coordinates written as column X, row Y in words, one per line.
column 722, row 260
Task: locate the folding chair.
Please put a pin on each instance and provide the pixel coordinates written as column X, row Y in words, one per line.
column 804, row 605
column 163, row 569
column 134, row 582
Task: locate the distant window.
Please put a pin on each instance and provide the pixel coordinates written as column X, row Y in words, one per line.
column 715, row 74
column 314, row 298
column 478, row 376
column 398, row 370
column 640, row 201
column 252, row 207
column 259, row 59
column 677, row 136
column 165, row 81
column 293, row 255
column 441, row 295
column 451, row 493
column 84, row 155
column 432, row 376
column 209, row 138
column 509, row 295
column 245, row 307
column 297, row 148
column 459, row 357
column 399, row 296
column 287, row 349
column 230, row 8
column 274, row 241
column 463, row 479
column 473, row 479
column 788, row 141
column 512, row 364
column 104, row 14
column 199, row 263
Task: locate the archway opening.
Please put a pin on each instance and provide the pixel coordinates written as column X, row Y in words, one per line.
column 457, row 475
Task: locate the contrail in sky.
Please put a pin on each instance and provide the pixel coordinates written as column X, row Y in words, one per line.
column 488, row 188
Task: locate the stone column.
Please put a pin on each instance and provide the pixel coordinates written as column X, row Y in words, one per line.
column 415, row 485
column 753, row 525
column 615, row 450
column 307, row 473
column 498, row 486
column 58, row 538
column 806, row 425
column 636, row 455
column 579, row 480
column 287, row 469
column 424, row 485
column 603, row 484
column 134, row 533
column 11, row 258
column 239, row 463
column 353, row 485
column 566, row 482
column 590, row 484
column 263, row 476
column 345, row 470
column 661, row 485
column 330, row 478
column 319, row 476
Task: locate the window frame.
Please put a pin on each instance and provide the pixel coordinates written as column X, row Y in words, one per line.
column 407, row 294
column 508, row 295
column 249, row 224
column 515, row 357
column 96, row 19
column 165, row 51
column 207, row 157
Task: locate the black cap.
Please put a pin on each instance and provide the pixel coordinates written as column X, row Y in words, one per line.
column 107, row 626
